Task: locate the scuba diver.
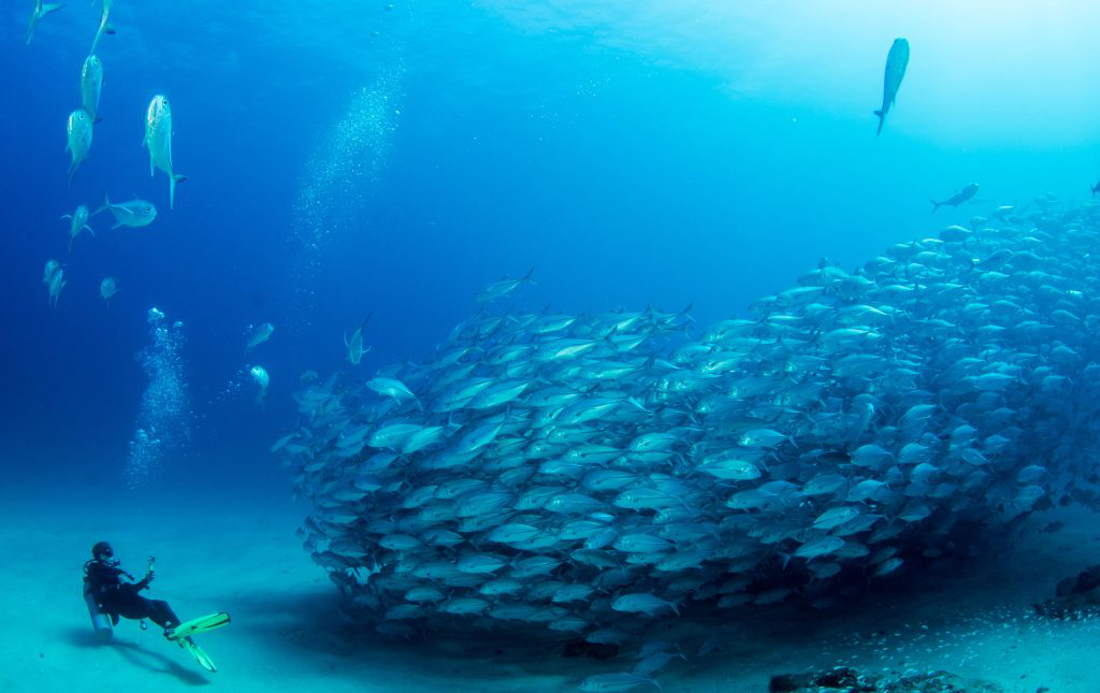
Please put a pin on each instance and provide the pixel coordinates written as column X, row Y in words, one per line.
column 118, row 597
column 111, row 592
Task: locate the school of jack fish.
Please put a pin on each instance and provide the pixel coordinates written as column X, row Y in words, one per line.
column 591, row 473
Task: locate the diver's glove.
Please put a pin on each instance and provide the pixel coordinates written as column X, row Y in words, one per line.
column 149, row 573
column 144, row 582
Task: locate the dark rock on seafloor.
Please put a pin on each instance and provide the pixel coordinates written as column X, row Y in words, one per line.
column 1074, row 597
column 848, row 680
column 841, row 678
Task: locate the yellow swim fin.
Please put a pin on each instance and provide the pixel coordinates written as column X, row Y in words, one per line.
column 202, row 624
column 197, row 652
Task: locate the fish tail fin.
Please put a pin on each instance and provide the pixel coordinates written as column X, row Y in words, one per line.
column 527, row 277
column 686, row 312
column 103, row 205
column 634, row 401
column 935, row 205
column 881, row 119
column 172, row 180
column 72, row 171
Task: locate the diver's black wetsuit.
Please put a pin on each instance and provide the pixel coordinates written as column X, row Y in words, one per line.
column 119, row 598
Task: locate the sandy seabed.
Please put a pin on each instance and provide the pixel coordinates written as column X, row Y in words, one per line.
column 218, row 552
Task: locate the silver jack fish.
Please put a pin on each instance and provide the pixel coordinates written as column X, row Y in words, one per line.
column 91, row 83
column 958, row 198
column 896, row 62
column 355, row 343
column 504, row 286
column 158, row 140
column 135, row 213
column 108, row 288
column 259, row 335
column 80, row 139
column 259, row 374
column 78, row 222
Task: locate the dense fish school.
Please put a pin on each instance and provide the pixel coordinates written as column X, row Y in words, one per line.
column 590, row 473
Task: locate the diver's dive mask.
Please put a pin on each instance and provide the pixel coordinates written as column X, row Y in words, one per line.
column 107, row 556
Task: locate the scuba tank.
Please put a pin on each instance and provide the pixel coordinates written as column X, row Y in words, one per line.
column 101, row 622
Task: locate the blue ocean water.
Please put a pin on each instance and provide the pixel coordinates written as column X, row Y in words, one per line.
column 346, row 159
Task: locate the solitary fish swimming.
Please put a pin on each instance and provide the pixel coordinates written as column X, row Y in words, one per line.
column 958, row 198
column 259, row 335
column 896, row 62
column 80, row 139
column 158, row 140
column 503, row 287
column 41, row 9
column 91, row 83
column 107, row 289
column 355, row 343
column 79, row 222
column 259, row 374
column 135, row 213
